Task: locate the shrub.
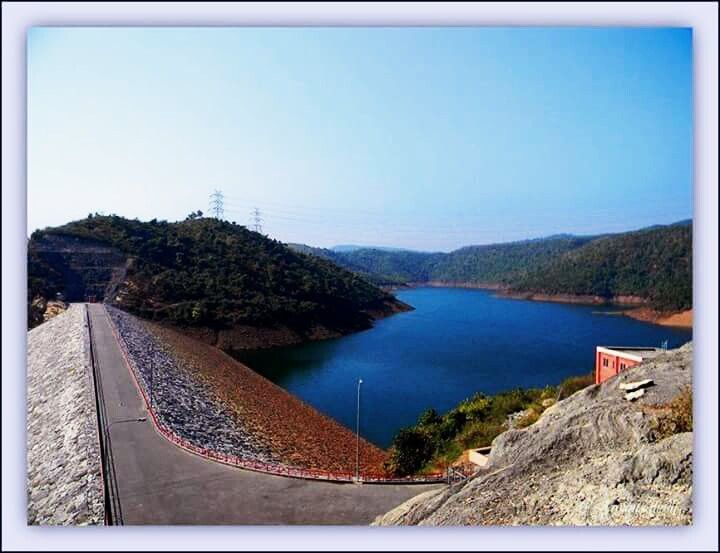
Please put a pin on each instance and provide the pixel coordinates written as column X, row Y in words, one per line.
column 428, row 417
column 476, row 408
column 673, row 417
column 530, row 417
column 436, row 441
column 575, row 383
column 480, row 434
column 451, row 424
column 411, row 449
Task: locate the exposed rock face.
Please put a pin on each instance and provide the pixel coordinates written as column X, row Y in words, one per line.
column 41, row 310
column 591, row 459
column 64, row 479
column 87, row 268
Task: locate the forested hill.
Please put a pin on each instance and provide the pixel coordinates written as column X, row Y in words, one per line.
column 200, row 273
column 653, row 263
column 381, row 267
column 495, row 263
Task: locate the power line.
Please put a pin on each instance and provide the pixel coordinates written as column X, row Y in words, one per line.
column 216, row 204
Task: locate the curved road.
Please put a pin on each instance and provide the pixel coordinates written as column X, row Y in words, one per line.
column 159, row 483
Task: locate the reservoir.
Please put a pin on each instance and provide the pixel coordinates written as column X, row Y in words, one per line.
column 455, row 343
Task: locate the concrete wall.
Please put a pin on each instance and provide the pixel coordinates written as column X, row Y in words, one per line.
column 607, row 365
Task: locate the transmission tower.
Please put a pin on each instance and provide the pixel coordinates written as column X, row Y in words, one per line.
column 257, row 220
column 216, row 204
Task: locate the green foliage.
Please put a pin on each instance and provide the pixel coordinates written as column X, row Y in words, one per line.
column 574, row 384
column 500, row 263
column 479, row 434
column 412, row 447
column 428, row 417
column 654, row 263
column 474, row 264
column 213, row 273
column 435, row 441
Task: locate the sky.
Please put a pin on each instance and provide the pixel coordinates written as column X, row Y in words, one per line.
column 420, row 138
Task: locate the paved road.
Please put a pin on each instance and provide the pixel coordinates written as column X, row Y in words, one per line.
column 159, row 483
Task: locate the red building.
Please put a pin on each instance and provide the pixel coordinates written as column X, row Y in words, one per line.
column 611, row 360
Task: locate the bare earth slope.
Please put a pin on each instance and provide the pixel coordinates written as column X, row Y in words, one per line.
column 64, row 478
column 592, row 459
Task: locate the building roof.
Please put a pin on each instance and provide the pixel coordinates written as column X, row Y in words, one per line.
column 632, row 352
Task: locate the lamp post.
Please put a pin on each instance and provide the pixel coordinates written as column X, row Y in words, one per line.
column 357, row 435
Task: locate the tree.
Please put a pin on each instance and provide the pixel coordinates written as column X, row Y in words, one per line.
column 411, row 449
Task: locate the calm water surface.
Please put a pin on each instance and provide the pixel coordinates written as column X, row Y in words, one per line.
column 455, row 343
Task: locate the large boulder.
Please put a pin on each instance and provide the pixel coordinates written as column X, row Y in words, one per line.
column 594, row 458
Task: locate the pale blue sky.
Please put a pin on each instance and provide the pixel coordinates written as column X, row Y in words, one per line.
column 419, row 138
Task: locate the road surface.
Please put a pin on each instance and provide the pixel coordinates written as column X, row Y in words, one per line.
column 159, row 483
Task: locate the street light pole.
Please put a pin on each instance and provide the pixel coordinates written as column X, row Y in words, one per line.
column 357, row 435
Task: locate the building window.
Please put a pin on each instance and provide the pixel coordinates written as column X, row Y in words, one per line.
column 622, row 366
column 605, row 362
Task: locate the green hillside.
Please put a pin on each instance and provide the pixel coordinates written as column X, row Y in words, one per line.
column 472, row 264
column 380, row 267
column 500, row 263
column 199, row 272
column 653, row 263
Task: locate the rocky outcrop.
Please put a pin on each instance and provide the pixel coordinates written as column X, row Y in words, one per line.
column 64, row 478
column 86, row 268
column 592, row 459
column 41, row 310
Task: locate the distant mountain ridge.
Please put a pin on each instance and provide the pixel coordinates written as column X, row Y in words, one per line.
column 352, row 248
column 654, row 264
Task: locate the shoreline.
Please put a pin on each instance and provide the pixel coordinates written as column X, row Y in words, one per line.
column 244, row 337
column 681, row 319
column 297, row 434
column 640, row 311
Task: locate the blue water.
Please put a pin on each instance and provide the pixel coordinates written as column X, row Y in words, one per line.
column 455, row 343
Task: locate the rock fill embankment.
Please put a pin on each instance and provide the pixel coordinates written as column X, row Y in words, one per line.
column 64, row 476
column 299, row 435
column 592, row 459
column 214, row 402
column 180, row 401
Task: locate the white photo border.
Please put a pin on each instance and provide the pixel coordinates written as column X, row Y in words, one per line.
column 702, row 17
